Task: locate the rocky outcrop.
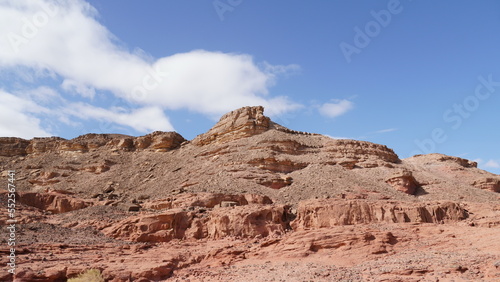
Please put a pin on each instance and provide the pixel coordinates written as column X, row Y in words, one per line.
column 304, row 243
column 403, row 181
column 53, row 202
column 488, row 183
column 197, row 223
column 275, row 182
column 248, row 221
column 45, row 178
column 275, row 165
column 351, row 153
column 205, row 200
column 12, row 146
column 285, row 146
column 328, row 213
column 263, row 220
column 157, row 141
column 162, row 227
column 240, row 123
column 441, row 158
column 44, row 144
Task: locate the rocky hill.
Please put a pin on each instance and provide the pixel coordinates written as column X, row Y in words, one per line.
column 249, row 200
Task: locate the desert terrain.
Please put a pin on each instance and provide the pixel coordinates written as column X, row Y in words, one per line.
column 249, row 200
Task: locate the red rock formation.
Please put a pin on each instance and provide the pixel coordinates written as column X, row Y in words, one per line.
column 206, row 200
column 274, row 165
column 237, row 124
column 156, row 141
column 45, row 178
column 246, row 221
column 177, row 223
column 43, row 144
column 403, row 181
column 12, row 146
column 332, row 212
column 365, row 154
column 53, row 202
column 488, row 183
column 440, row 158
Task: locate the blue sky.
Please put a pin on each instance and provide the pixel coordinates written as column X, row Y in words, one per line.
column 417, row 76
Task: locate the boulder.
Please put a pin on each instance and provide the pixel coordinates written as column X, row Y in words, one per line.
column 403, row 181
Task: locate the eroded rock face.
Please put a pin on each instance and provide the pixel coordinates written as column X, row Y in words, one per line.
column 274, row 165
column 351, row 153
column 164, row 227
column 206, row 200
column 488, row 183
column 12, row 146
column 156, row 141
column 275, row 182
column 403, row 181
column 440, row 158
column 53, row 202
column 202, row 215
column 328, row 213
column 159, row 141
column 246, row 221
column 45, row 178
column 177, row 223
column 237, row 124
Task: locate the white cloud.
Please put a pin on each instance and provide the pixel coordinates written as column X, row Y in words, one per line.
column 41, row 95
column 492, row 164
column 17, row 117
column 79, row 88
column 335, row 109
column 68, row 41
column 386, row 130
column 144, row 120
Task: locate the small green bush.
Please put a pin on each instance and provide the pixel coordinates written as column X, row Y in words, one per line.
column 92, row 275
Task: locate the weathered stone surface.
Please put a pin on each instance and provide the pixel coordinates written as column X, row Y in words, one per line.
column 206, row 200
column 43, row 144
column 274, row 165
column 45, row 178
column 488, row 183
column 440, row 158
column 275, row 182
column 242, row 221
column 360, row 152
column 156, row 141
column 53, row 202
column 170, row 224
column 332, row 212
column 165, row 141
column 12, row 146
column 237, row 124
column 403, row 181
column 246, row 221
